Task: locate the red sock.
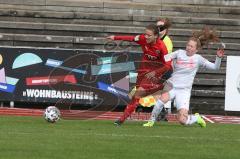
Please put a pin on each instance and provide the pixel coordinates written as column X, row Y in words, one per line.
column 129, row 109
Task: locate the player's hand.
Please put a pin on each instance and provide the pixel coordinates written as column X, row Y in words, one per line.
column 220, row 53
column 110, row 37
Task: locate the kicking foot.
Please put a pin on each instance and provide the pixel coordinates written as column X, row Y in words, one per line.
column 148, row 124
column 118, row 123
column 200, row 121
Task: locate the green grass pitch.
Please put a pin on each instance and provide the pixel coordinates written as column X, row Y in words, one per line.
column 34, row 138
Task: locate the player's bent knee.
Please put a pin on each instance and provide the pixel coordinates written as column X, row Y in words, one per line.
column 140, row 92
column 182, row 116
column 182, row 121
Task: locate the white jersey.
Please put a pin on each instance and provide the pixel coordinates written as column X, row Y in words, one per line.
column 185, row 67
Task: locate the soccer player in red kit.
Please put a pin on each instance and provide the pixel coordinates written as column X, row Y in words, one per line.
column 152, row 67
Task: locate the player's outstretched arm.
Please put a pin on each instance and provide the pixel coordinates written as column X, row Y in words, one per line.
column 139, row 39
column 213, row 66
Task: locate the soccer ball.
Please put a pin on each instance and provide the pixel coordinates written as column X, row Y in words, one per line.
column 52, row 114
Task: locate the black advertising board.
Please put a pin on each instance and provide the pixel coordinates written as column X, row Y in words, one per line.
column 60, row 75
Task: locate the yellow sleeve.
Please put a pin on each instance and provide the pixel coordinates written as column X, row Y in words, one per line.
column 168, row 42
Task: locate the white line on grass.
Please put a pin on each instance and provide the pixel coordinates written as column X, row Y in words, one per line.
column 133, row 135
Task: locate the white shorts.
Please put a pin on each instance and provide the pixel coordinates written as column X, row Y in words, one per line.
column 181, row 96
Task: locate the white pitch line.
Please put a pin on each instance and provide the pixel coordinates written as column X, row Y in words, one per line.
column 207, row 119
column 132, row 135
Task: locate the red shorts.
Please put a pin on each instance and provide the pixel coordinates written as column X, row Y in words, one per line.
column 151, row 86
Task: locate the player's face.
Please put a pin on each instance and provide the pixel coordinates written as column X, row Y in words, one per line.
column 149, row 35
column 162, row 33
column 191, row 47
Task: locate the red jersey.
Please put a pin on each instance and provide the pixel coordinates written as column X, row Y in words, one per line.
column 153, row 54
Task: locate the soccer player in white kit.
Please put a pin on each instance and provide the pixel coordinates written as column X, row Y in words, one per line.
column 185, row 66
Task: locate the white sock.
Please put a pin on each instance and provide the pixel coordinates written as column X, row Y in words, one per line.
column 191, row 119
column 156, row 110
